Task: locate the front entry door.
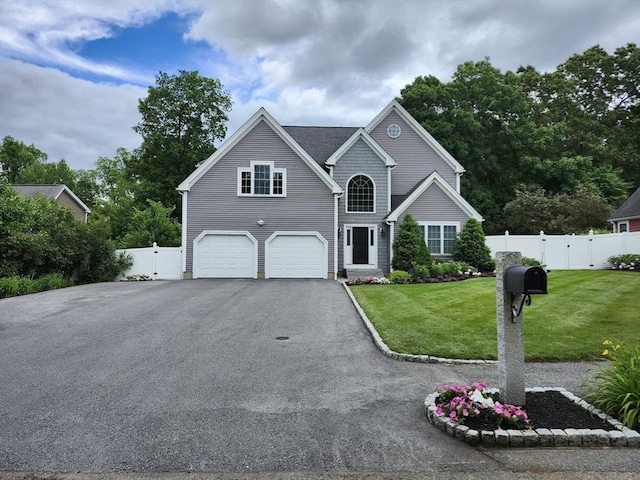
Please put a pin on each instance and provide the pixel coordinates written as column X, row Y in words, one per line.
column 361, row 245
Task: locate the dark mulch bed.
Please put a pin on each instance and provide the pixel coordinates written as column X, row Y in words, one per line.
column 551, row 409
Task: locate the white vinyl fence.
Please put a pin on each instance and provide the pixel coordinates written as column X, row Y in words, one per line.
column 567, row 252
column 159, row 263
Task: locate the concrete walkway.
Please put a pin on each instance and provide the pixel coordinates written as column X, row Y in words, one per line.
column 236, row 379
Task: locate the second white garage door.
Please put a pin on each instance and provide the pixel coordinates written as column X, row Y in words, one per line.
column 296, row 255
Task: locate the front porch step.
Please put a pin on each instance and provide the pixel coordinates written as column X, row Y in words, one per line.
column 360, row 273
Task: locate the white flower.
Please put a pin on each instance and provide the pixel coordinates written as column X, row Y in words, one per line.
column 477, row 397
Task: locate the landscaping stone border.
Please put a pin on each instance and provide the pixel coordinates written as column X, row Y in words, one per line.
column 622, row 437
column 537, row 437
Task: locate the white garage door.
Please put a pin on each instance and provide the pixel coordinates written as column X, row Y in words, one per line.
column 225, row 255
column 300, row 255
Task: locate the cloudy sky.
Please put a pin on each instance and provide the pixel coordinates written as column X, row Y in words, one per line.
column 71, row 71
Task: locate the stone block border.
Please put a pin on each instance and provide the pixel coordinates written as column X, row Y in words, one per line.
column 542, row 437
column 538, row 437
column 377, row 340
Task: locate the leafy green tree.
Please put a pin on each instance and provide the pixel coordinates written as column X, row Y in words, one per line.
column 39, row 237
column 577, row 212
column 471, row 247
column 15, row 156
column 571, row 129
column 182, row 116
column 153, row 224
column 480, row 117
column 409, row 247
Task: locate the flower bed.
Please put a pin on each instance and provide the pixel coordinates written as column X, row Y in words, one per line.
column 629, row 262
column 514, row 429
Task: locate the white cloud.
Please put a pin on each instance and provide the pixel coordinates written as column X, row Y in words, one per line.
column 66, row 117
column 309, row 62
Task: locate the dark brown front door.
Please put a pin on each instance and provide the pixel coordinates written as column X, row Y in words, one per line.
column 361, row 245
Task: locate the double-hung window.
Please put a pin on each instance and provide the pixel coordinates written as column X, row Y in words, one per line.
column 262, row 179
column 440, row 238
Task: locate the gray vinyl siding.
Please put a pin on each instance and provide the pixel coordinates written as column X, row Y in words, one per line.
column 213, row 202
column 416, row 160
column 435, row 206
column 360, row 159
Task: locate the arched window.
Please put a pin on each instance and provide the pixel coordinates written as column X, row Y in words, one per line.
column 360, row 194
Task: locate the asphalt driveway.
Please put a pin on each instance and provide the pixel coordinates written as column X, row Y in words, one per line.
column 237, row 376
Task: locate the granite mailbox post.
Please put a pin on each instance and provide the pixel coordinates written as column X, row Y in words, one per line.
column 514, row 286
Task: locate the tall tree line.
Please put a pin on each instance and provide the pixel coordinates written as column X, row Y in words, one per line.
column 533, row 144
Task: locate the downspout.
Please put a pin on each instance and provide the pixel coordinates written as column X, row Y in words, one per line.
column 336, row 250
column 184, row 231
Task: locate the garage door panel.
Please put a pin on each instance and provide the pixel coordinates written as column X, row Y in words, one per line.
column 226, row 256
column 296, row 256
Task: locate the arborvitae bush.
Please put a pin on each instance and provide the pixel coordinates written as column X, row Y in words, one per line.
column 409, row 248
column 471, row 248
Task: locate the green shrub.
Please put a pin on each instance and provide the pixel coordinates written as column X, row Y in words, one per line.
column 450, row 268
column 615, row 390
column 471, row 247
column 8, row 287
column 420, row 271
column 530, row 262
column 409, row 247
column 437, row 270
column 629, row 261
column 400, row 276
column 52, row 281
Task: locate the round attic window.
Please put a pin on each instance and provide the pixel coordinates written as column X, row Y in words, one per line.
column 393, row 130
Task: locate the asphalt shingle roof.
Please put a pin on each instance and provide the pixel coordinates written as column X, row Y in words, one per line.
column 630, row 208
column 320, row 142
column 50, row 191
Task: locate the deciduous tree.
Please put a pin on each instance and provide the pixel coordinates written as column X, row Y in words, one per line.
column 182, row 116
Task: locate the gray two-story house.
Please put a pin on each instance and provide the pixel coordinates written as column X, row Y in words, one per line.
column 311, row 202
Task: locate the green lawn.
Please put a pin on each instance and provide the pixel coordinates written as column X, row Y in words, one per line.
column 458, row 319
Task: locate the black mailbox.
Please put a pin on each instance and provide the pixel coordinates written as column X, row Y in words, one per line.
column 525, row 280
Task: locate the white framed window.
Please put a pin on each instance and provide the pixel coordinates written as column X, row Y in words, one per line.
column 439, row 237
column 393, row 130
column 361, row 195
column 623, row 227
column 262, row 179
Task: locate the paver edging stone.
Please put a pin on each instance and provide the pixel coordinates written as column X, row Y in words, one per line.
column 622, row 437
column 537, row 437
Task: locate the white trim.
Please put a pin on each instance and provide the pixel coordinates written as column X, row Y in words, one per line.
column 426, row 226
column 429, row 140
column 445, row 187
column 224, row 232
column 622, row 222
column 274, row 235
column 388, row 190
column 346, row 195
column 347, row 250
column 260, row 116
column 75, row 198
column 184, row 230
column 335, row 235
column 360, row 134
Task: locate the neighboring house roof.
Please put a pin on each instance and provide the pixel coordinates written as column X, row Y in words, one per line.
column 360, row 134
column 50, row 191
column 320, row 142
column 629, row 209
column 405, row 201
column 259, row 116
column 432, row 142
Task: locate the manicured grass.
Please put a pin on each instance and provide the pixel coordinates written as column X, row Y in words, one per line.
column 458, row 319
